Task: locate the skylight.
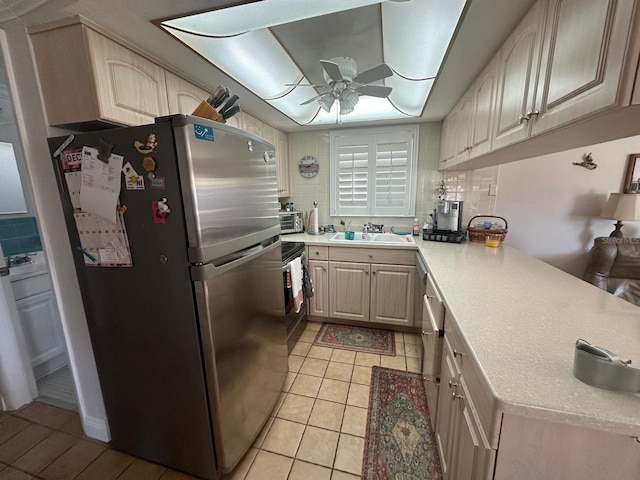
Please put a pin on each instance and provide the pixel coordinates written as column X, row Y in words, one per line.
column 240, row 41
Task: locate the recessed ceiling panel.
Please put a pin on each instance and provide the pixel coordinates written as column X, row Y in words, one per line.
column 269, row 44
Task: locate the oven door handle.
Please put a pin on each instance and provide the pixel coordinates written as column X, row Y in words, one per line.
column 286, row 267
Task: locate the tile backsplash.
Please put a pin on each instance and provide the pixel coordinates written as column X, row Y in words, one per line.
column 19, row 235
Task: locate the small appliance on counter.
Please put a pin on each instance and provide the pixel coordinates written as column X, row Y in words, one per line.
column 291, row 222
column 447, row 223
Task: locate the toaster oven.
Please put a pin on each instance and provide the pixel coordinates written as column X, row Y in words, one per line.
column 291, row 222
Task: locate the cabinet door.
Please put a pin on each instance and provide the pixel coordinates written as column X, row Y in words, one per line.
column 465, row 126
column 517, row 73
column 582, row 58
column 319, row 303
column 253, row 125
column 282, row 164
column 349, row 290
column 43, row 333
column 485, row 90
column 392, row 294
column 446, row 421
column 449, row 139
column 183, row 97
column 472, row 454
column 131, row 90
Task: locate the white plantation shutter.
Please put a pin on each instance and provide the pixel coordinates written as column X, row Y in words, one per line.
column 374, row 171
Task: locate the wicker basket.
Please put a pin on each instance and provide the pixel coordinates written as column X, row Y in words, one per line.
column 479, row 234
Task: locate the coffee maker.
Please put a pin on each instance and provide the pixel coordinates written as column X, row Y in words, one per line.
column 447, row 222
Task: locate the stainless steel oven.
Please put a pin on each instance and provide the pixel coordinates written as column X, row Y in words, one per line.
column 295, row 322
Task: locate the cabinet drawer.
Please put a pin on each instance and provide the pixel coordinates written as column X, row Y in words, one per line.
column 27, row 287
column 317, row 252
column 477, row 385
column 434, row 300
column 373, row 255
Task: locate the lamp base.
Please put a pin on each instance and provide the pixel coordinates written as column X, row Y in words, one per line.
column 617, row 233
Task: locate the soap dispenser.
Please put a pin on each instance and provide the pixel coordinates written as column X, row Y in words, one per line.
column 416, row 228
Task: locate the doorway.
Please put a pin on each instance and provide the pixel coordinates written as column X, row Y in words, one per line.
column 41, row 339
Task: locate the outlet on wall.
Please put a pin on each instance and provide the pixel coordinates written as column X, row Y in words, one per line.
column 493, row 190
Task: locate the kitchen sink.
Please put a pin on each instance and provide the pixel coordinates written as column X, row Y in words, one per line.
column 357, row 237
column 380, row 238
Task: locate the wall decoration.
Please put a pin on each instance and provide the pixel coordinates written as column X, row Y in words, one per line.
column 308, row 166
column 632, row 179
column 587, row 162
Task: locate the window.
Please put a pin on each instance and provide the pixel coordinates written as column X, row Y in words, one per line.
column 373, row 171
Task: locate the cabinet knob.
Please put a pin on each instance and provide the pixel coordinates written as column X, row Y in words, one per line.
column 452, row 383
column 373, row 273
column 366, row 273
column 426, row 333
column 522, row 119
column 429, row 297
column 454, row 396
column 532, row 113
column 370, row 255
column 457, row 353
column 324, row 269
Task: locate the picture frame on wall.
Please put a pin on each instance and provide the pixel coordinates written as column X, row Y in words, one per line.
column 632, row 178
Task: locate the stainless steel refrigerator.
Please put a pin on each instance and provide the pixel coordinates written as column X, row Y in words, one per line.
column 188, row 330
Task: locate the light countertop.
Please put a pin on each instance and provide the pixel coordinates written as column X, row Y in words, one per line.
column 521, row 318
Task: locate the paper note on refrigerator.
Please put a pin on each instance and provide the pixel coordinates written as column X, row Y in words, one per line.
column 100, row 184
column 104, row 244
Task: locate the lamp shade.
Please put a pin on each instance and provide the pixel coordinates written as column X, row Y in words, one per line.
column 622, row 206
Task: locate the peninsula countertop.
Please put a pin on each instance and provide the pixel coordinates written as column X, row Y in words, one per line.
column 521, row 318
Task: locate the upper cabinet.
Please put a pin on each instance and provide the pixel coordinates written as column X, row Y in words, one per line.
column 582, row 59
column 94, row 79
column 183, row 96
column 518, row 68
column 564, row 68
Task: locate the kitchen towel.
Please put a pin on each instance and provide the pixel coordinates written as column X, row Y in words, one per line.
column 295, row 267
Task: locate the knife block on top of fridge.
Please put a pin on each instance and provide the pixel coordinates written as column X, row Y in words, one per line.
column 204, row 110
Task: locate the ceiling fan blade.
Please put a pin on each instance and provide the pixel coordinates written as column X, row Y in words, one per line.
column 313, row 99
column 374, row 74
column 374, row 91
column 332, row 70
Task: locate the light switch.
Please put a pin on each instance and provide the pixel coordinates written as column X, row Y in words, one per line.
column 493, row 190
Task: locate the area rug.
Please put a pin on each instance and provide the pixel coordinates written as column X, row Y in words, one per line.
column 359, row 339
column 399, row 443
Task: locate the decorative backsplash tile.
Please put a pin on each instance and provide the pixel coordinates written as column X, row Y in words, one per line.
column 19, row 235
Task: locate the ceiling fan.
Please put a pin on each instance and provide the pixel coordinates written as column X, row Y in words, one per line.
column 346, row 85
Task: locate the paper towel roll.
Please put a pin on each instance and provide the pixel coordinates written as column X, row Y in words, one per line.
column 314, row 221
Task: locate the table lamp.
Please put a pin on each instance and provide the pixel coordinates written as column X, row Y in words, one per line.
column 622, row 206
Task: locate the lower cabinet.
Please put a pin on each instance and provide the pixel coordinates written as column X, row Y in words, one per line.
column 319, row 303
column 462, row 444
column 372, row 293
column 40, row 324
column 376, row 286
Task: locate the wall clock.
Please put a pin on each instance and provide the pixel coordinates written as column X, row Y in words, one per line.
column 308, row 166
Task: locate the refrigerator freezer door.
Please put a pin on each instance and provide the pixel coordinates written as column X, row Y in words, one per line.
column 241, row 311
column 228, row 179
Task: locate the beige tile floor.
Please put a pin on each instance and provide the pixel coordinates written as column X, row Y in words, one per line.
column 317, row 429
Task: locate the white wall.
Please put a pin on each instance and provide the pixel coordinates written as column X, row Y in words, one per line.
column 553, row 207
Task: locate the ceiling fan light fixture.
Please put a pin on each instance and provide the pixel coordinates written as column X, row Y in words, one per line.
column 348, row 101
column 326, row 101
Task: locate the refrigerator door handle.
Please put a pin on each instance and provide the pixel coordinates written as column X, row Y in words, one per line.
column 210, row 270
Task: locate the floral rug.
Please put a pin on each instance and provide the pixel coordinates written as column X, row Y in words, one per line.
column 399, row 443
column 369, row 340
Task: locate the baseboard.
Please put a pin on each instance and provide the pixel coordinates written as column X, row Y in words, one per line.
column 97, row 428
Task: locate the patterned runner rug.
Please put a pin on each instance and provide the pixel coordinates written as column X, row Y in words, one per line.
column 369, row 340
column 399, row 443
